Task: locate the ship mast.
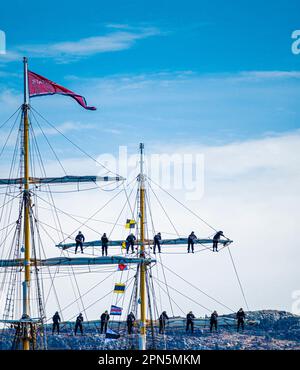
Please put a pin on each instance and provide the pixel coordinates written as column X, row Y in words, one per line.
column 141, row 179
column 26, row 199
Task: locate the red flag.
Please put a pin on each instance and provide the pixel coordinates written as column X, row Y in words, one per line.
column 39, row 86
column 122, row 267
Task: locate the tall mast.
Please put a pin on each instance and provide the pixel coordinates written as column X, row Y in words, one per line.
column 142, row 336
column 26, row 197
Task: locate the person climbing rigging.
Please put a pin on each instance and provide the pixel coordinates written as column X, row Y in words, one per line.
column 104, row 321
column 130, row 242
column 78, row 324
column 56, row 320
column 130, row 321
column 190, row 317
column 157, row 239
column 214, row 321
column 191, row 241
column 79, row 241
column 240, row 316
column 216, row 239
column 104, row 242
column 162, row 322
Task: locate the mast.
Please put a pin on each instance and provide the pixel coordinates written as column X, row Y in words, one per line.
column 142, row 336
column 26, row 198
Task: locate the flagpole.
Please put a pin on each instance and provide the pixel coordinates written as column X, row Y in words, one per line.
column 142, row 336
column 26, row 200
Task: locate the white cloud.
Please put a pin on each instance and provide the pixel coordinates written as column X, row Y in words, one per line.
column 68, row 126
column 111, row 42
column 267, row 75
column 10, row 56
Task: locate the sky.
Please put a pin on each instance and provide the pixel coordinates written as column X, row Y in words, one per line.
column 195, row 77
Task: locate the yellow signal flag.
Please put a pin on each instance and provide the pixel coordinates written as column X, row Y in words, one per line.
column 119, row 288
column 130, row 224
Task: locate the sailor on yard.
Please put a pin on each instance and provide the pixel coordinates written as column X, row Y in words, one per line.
column 216, row 240
column 190, row 317
column 214, row 321
column 56, row 320
column 191, row 241
column 78, row 324
column 240, row 316
column 162, row 322
column 130, row 242
column 79, row 241
column 130, row 321
column 104, row 242
column 157, row 239
column 104, row 321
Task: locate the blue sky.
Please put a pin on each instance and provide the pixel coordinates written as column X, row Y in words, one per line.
column 215, row 77
column 203, row 48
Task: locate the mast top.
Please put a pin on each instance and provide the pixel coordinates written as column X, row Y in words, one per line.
column 26, row 90
column 141, row 174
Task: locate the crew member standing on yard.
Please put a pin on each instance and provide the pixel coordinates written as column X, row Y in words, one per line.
column 190, row 317
column 104, row 242
column 79, row 241
column 162, row 322
column 191, row 241
column 214, row 321
column 130, row 322
column 216, row 239
column 56, row 320
column 78, row 324
column 130, row 242
column 104, row 321
column 157, row 239
column 240, row 316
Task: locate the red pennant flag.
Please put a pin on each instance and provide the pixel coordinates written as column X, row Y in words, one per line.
column 122, row 267
column 39, row 86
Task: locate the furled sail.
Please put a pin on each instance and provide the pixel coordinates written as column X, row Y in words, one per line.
column 61, row 180
column 116, row 243
column 73, row 261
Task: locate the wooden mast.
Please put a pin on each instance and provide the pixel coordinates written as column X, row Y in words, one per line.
column 26, row 197
column 142, row 336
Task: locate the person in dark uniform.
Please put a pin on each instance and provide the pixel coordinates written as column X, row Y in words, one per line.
column 162, row 322
column 104, row 321
column 214, row 321
column 191, row 241
column 79, row 241
column 240, row 316
column 104, row 242
column 130, row 321
column 157, row 239
column 190, row 317
column 56, row 320
column 130, row 242
column 216, row 239
column 78, row 324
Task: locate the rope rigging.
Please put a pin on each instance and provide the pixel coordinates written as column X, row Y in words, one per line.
column 74, row 144
column 154, row 285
